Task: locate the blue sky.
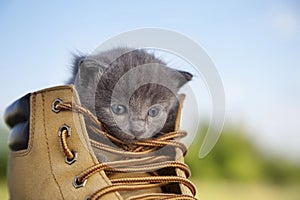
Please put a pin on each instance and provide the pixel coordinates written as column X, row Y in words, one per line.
column 255, row 45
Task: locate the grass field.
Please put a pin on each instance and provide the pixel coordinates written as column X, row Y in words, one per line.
column 227, row 191
column 234, row 191
column 3, row 190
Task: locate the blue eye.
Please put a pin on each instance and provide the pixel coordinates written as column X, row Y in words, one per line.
column 118, row 109
column 153, row 112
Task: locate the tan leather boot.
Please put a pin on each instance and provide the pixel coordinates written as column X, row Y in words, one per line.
column 53, row 157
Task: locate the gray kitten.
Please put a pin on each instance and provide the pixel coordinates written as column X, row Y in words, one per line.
column 133, row 93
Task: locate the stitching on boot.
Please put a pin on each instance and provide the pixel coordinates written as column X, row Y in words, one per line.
column 47, row 143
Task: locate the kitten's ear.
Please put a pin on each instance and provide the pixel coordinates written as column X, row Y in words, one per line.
column 183, row 78
column 88, row 71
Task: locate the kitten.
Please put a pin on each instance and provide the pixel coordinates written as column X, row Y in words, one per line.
column 132, row 92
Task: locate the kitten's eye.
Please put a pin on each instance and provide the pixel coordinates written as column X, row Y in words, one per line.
column 153, row 112
column 118, row 109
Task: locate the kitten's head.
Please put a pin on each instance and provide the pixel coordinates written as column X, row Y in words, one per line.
column 136, row 96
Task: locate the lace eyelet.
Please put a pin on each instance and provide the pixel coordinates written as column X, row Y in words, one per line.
column 70, row 162
column 74, row 153
column 77, row 184
column 55, row 103
column 64, row 127
column 87, row 198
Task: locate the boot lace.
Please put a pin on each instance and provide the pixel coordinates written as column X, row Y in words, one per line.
column 139, row 157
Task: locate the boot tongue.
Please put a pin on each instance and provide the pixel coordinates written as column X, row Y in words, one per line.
column 103, row 155
column 117, row 152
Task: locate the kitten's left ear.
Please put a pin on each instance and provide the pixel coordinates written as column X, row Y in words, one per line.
column 183, row 78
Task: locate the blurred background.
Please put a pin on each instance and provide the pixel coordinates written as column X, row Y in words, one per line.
column 255, row 46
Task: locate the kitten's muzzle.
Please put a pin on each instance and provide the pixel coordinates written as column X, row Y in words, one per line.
column 138, row 129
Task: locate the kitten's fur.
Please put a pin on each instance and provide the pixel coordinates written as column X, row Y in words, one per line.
column 135, row 80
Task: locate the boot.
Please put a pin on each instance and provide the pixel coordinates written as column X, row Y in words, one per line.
column 59, row 150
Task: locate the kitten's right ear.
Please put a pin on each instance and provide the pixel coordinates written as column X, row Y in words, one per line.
column 88, row 70
column 184, row 78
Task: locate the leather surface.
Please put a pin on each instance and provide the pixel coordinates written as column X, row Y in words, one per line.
column 16, row 117
column 40, row 172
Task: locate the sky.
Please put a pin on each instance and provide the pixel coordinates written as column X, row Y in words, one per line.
column 255, row 46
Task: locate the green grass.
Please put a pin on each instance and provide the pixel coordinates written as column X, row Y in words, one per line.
column 235, row 191
column 226, row 191
column 3, row 190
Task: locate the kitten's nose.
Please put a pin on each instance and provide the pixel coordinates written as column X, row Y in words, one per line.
column 137, row 128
